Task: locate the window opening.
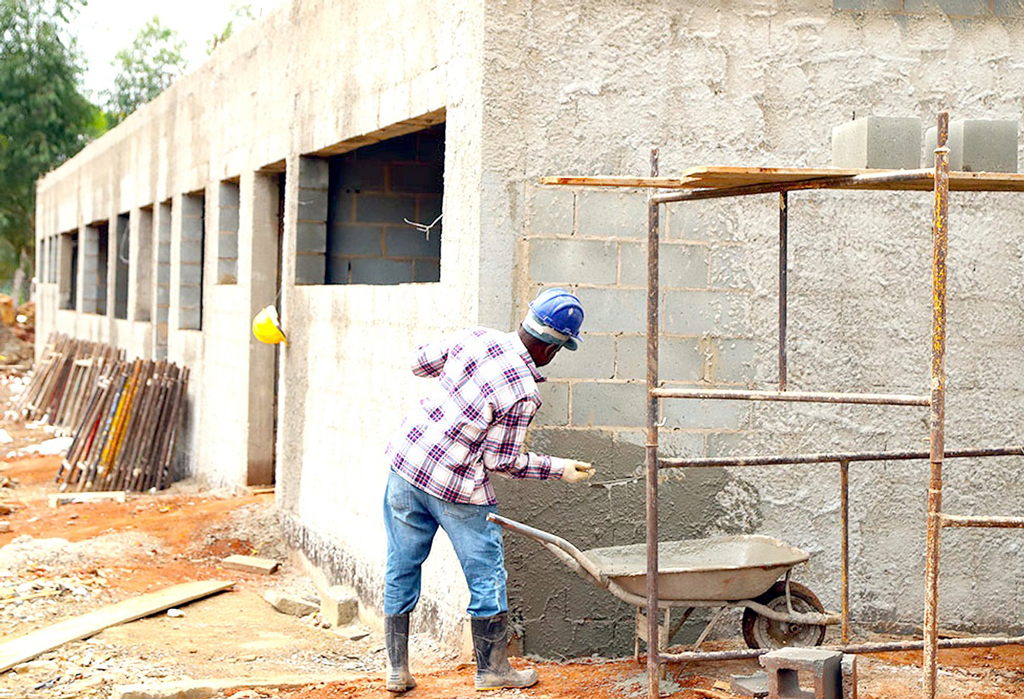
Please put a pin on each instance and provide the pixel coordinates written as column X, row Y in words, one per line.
column 121, row 267
column 68, row 284
column 373, row 215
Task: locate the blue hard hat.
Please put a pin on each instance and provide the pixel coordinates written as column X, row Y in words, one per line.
column 555, row 317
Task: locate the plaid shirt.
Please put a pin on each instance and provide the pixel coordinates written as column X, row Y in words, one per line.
column 474, row 420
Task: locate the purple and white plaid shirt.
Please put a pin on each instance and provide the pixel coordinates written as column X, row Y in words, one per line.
column 474, row 419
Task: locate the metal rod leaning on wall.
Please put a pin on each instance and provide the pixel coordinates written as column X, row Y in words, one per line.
column 651, row 451
column 940, row 240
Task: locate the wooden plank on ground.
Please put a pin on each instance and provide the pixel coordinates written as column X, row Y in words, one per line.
column 23, row 648
column 68, row 498
column 250, row 564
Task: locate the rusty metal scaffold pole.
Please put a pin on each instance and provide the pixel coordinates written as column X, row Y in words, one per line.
column 940, row 241
column 935, row 400
column 783, row 283
column 651, row 453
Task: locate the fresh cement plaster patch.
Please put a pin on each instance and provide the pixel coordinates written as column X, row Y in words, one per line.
column 563, row 615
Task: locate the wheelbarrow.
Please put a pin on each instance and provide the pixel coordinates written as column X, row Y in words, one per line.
column 718, row 573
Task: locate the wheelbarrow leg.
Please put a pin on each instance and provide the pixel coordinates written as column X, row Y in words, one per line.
column 666, row 631
column 707, row 629
column 641, row 633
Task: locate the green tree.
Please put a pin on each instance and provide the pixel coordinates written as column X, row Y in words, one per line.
column 44, row 119
column 145, row 69
column 239, row 17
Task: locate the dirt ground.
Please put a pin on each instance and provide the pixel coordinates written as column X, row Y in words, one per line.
column 59, row 562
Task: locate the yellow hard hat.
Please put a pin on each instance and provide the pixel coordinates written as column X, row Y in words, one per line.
column 267, row 327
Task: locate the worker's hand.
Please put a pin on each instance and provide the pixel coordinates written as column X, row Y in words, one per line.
column 574, row 471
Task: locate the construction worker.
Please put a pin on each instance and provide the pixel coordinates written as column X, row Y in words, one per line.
column 472, row 422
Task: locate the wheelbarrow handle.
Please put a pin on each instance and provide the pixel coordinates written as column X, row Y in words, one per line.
column 566, row 552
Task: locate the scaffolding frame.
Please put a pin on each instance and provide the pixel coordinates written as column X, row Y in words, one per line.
column 713, row 183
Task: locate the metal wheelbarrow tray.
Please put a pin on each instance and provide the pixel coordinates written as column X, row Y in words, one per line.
column 729, row 571
column 721, row 569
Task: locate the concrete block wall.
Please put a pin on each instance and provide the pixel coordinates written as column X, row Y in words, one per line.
column 732, row 84
column 743, row 86
column 185, row 143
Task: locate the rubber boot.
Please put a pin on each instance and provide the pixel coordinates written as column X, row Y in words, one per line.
column 490, row 643
column 396, row 638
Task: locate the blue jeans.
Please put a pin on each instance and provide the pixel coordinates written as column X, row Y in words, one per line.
column 411, row 518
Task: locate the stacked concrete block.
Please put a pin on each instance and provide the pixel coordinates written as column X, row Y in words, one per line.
column 311, row 234
column 849, row 670
column 884, row 143
column 977, row 145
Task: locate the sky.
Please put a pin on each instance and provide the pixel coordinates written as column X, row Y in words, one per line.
column 104, row 27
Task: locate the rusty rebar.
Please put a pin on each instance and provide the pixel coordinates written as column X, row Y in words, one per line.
column 835, row 458
column 857, row 648
column 793, row 396
column 651, row 450
column 973, row 521
column 844, row 505
column 783, row 284
column 940, row 240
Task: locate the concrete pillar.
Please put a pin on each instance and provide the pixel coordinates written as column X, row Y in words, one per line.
column 68, row 274
column 227, row 232
column 260, row 208
column 140, row 283
column 190, row 261
column 311, row 234
column 161, row 279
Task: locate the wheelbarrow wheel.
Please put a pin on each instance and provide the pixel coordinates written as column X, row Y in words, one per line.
column 762, row 632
